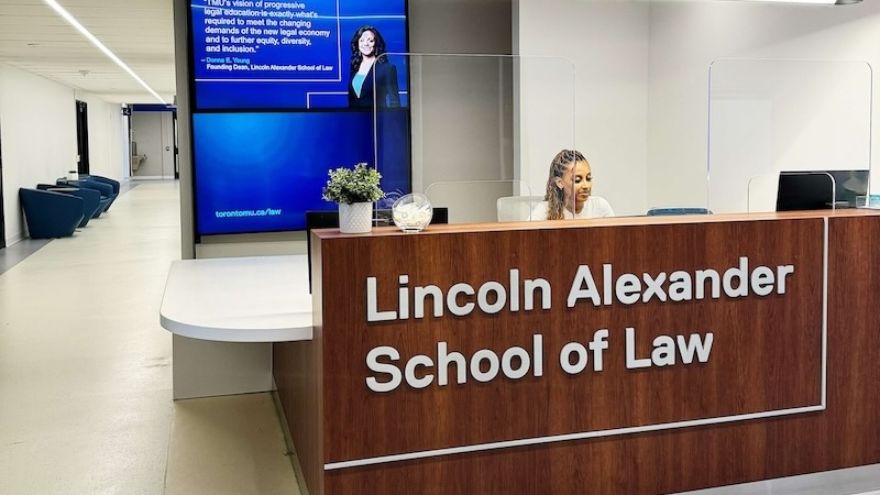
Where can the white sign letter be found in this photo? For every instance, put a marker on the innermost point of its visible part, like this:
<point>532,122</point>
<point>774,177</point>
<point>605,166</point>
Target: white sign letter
<point>374,365</point>
<point>583,276</point>
<point>372,313</point>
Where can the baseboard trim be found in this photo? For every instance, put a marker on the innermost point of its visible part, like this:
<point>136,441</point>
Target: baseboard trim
<point>288,439</point>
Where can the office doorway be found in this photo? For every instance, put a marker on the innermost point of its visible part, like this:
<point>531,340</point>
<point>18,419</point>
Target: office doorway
<point>2,220</point>
<point>82,137</point>
<point>153,144</point>
<point>176,150</point>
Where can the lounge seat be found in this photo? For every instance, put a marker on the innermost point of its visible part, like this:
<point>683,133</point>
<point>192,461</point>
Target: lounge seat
<point>49,214</point>
<point>106,191</point>
<point>91,199</point>
<point>105,180</point>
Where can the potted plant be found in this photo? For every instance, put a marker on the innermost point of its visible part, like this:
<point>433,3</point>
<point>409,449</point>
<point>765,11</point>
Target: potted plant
<point>354,190</point>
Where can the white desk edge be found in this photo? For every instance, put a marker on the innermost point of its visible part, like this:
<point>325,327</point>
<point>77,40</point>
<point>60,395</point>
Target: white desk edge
<point>246,299</point>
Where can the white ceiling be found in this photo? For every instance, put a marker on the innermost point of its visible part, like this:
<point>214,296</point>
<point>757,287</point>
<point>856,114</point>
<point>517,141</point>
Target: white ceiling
<point>140,32</point>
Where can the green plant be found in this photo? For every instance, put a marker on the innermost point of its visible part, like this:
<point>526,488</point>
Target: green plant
<point>358,185</point>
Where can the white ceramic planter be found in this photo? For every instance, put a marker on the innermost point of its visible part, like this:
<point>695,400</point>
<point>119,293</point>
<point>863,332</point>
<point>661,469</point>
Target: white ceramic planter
<point>355,218</point>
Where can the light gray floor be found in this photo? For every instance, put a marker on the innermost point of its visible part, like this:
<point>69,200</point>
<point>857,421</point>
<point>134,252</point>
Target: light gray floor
<point>14,254</point>
<point>863,480</point>
<point>127,185</point>
<point>85,373</point>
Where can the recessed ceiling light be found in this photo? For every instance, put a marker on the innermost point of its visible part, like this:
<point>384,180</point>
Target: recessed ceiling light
<point>95,41</point>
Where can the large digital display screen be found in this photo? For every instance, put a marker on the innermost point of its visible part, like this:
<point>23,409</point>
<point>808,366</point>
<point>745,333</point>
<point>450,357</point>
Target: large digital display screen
<point>295,54</point>
<point>259,172</point>
<point>283,92</point>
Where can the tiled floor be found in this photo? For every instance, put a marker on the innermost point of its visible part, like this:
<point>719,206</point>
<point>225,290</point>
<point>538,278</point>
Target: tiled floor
<point>85,378</point>
<point>85,373</point>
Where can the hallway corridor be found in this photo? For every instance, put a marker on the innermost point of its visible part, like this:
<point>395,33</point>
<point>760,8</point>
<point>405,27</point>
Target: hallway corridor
<point>85,373</point>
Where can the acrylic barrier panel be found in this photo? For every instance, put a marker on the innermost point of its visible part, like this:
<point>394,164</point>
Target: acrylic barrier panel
<point>483,201</point>
<point>483,129</point>
<point>772,118</point>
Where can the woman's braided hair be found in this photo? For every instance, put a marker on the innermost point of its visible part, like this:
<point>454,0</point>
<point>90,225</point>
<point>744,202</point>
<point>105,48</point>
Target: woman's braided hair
<point>555,196</point>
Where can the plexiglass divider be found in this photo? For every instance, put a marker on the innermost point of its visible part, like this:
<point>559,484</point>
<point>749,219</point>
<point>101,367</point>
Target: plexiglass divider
<point>762,192</point>
<point>788,134</point>
<point>486,200</point>
<point>478,131</point>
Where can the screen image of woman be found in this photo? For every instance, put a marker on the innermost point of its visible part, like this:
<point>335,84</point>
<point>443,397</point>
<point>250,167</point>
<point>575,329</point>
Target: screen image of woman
<point>569,191</point>
<point>372,76</point>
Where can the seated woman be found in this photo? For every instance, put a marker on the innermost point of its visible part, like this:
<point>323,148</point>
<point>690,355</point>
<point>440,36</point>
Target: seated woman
<point>568,191</point>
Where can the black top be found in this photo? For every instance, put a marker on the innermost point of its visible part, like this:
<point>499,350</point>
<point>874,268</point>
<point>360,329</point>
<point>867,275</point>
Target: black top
<point>387,94</point>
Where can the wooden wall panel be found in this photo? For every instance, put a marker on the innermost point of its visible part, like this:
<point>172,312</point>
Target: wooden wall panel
<point>742,376</point>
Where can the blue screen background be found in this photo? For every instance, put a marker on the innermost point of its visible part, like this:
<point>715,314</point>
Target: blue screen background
<point>247,164</point>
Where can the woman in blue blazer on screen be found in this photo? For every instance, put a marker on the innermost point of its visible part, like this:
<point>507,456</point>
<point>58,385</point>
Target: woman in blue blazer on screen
<point>372,76</point>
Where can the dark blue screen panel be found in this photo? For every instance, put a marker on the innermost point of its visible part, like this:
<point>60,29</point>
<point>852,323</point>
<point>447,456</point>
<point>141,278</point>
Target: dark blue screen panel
<point>259,172</point>
<point>257,169</point>
<point>262,54</point>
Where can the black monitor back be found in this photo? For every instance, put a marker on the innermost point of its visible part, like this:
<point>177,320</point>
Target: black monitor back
<point>330,220</point>
<point>813,190</point>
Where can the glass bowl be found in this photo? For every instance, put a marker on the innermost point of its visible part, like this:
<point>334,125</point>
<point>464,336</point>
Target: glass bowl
<point>412,212</point>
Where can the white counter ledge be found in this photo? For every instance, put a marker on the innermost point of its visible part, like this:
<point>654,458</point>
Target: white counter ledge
<point>247,299</point>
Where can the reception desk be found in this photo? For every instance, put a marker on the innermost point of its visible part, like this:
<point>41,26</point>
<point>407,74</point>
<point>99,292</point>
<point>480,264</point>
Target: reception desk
<point>615,356</point>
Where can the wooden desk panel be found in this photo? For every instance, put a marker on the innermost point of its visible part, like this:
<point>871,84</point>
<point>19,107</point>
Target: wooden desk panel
<point>743,376</point>
<point>782,369</point>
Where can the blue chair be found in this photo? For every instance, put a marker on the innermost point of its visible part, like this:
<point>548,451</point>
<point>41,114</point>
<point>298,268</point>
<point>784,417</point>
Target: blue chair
<point>654,212</point>
<point>49,214</point>
<point>105,180</point>
<point>91,199</point>
<point>105,189</point>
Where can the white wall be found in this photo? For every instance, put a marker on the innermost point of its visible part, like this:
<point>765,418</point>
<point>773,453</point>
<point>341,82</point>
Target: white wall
<point>607,41</point>
<point>460,26</point>
<point>685,39</point>
<point>643,82</point>
<point>462,115</point>
<point>38,122</point>
<point>767,116</point>
<point>106,156</point>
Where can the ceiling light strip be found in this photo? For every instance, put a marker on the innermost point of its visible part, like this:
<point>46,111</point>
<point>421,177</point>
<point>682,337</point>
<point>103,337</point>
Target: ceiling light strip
<point>95,41</point>
<point>822,2</point>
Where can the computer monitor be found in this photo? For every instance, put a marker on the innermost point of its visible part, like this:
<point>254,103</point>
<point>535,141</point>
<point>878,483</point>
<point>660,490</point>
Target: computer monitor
<point>820,190</point>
